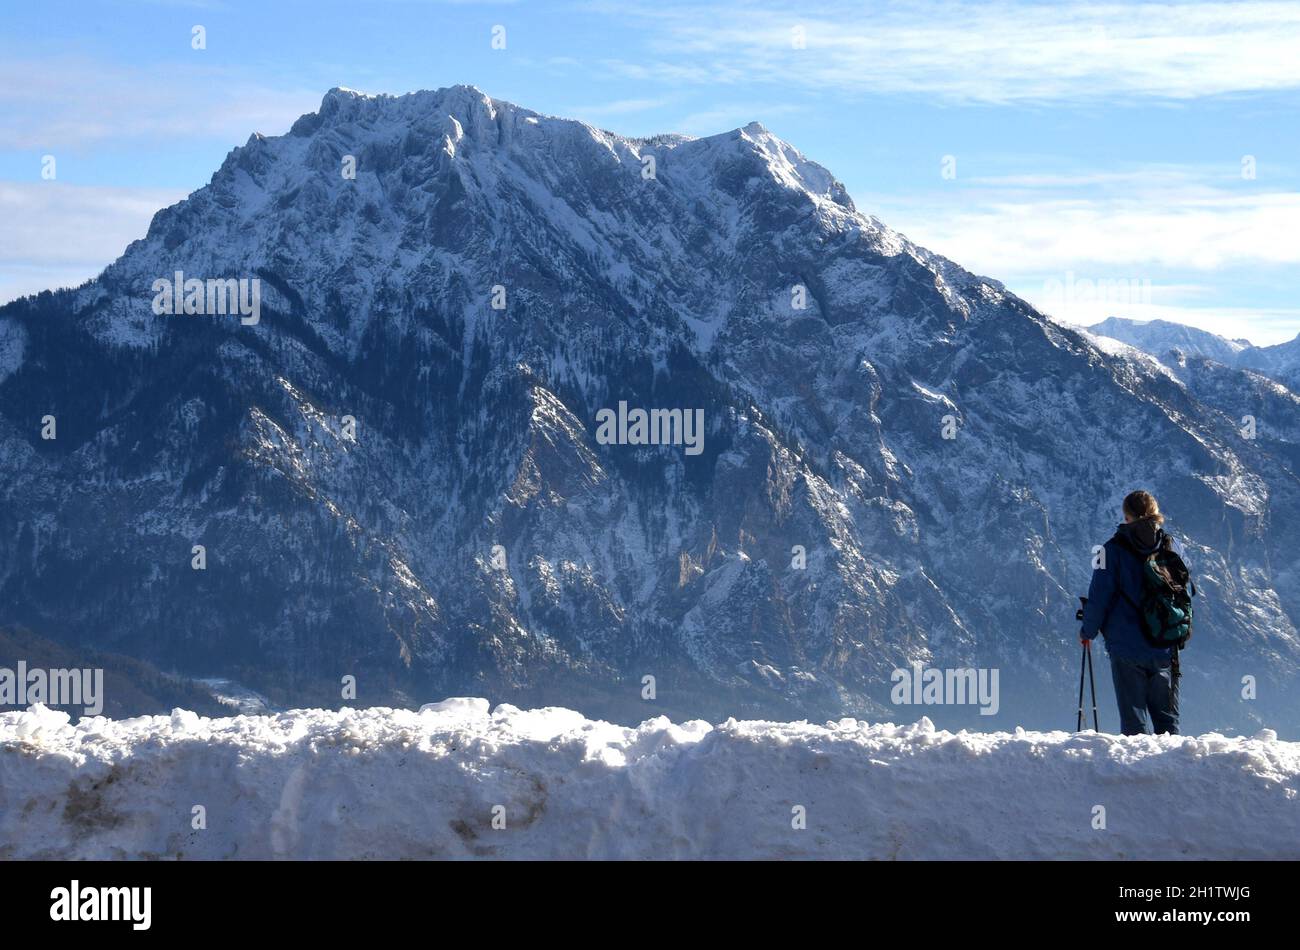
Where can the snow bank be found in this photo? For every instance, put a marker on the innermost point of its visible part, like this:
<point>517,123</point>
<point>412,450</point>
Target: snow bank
<point>386,783</point>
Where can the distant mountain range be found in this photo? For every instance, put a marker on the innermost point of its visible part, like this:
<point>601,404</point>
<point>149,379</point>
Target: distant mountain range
<point>388,465</point>
<point>1161,338</point>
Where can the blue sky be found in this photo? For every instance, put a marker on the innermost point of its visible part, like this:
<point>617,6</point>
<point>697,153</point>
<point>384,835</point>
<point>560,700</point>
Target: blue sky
<point>1135,159</point>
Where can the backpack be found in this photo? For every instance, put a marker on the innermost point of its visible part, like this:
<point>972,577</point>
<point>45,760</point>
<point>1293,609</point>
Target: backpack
<point>1165,611</point>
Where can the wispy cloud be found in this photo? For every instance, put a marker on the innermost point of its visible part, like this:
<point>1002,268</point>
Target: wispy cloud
<point>58,235</point>
<point>1199,232</point>
<point>74,101</point>
<point>1129,242</point>
<point>995,52</point>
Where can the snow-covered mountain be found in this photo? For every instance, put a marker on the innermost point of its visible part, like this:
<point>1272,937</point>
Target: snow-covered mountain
<point>394,481</point>
<point>1159,337</point>
<point>1164,338</point>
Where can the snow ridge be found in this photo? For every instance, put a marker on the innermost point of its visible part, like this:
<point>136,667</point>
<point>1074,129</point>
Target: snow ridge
<point>386,783</point>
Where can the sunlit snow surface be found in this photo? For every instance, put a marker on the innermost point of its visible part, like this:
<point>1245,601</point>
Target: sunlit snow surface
<point>391,783</point>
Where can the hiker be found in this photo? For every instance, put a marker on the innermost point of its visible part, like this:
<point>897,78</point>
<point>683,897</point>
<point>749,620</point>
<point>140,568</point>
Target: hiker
<point>1144,625</point>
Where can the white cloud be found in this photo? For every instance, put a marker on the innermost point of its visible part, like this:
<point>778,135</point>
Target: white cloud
<point>1156,243</point>
<point>1115,237</point>
<point>995,52</point>
<point>59,235</point>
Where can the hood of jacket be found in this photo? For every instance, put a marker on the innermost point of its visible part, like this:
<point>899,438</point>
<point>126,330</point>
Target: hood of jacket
<point>1144,536</point>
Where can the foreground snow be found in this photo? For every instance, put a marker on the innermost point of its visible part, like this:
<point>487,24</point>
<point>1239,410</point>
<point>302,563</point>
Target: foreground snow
<point>385,783</point>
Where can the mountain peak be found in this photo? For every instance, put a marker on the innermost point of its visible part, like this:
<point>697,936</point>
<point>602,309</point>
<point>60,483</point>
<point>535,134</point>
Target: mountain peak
<point>346,91</point>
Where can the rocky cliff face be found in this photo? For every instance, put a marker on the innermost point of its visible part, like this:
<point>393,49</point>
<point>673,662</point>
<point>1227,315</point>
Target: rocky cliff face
<point>395,472</point>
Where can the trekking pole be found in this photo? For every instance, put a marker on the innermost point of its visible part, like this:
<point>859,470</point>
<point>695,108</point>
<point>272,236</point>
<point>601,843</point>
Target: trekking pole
<point>1083,660</point>
<point>1092,684</point>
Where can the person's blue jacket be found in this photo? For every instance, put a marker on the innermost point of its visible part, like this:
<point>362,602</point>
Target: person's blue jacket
<point>1116,590</point>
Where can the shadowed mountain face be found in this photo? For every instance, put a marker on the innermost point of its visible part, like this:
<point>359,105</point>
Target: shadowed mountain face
<point>395,480</point>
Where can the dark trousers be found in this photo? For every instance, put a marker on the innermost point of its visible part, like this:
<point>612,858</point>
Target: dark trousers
<point>1143,686</point>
